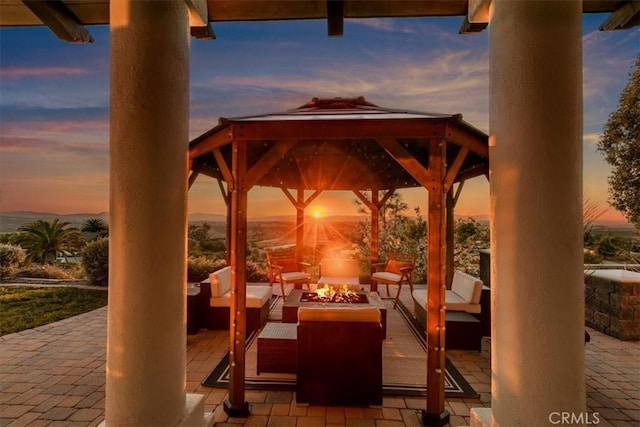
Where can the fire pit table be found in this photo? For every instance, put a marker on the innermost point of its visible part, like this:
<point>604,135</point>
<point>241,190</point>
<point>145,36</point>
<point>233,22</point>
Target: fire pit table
<point>300,297</point>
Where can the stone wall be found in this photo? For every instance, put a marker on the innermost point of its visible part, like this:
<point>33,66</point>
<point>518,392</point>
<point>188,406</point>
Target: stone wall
<point>612,303</point>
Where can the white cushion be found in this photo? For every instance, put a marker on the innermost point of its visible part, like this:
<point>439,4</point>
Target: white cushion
<point>453,301</point>
<point>295,275</point>
<point>220,281</point>
<point>257,297</point>
<point>386,276</point>
<point>338,281</point>
<point>468,288</point>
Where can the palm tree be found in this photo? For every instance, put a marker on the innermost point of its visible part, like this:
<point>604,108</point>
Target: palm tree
<point>95,225</point>
<point>44,239</point>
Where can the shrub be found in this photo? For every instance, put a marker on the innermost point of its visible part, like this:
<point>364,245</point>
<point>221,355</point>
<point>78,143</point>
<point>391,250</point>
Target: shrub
<point>95,261</point>
<point>46,271</point>
<point>199,268</point>
<point>11,255</point>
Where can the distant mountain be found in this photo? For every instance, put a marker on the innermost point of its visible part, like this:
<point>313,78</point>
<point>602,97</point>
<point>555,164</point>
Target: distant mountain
<point>11,221</point>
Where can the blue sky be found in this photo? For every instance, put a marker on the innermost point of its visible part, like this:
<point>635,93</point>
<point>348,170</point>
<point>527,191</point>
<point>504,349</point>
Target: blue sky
<point>54,99</point>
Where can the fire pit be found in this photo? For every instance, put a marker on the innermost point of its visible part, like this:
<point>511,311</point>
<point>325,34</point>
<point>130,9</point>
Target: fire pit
<point>337,295</point>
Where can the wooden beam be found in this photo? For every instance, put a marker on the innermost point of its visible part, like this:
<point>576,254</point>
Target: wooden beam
<point>627,16</point>
<point>312,197</point>
<point>406,160</point>
<point>452,173</point>
<point>224,168</point>
<point>300,206</point>
<point>336,129</point>
<point>192,178</point>
<point>363,199</point>
<point>60,20</point>
<point>375,226</point>
<point>471,27</point>
<point>458,191</point>
<point>236,405</point>
<point>203,33</point>
<point>224,192</point>
<point>335,18</point>
<point>465,138</point>
<point>209,142</point>
<point>435,413</point>
<point>292,199</point>
<point>198,13</point>
<point>386,196</point>
<point>268,160</point>
<point>473,171</point>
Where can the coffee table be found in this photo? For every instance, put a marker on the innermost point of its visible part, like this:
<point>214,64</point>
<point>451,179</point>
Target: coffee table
<point>292,303</point>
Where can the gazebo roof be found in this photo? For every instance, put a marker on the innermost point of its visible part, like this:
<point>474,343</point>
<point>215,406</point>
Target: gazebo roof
<point>341,144</point>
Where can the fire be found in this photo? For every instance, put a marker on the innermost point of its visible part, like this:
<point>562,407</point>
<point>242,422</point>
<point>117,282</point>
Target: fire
<point>342,294</point>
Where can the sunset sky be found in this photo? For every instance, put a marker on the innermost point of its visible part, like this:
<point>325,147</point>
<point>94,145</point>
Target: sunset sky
<point>54,100</point>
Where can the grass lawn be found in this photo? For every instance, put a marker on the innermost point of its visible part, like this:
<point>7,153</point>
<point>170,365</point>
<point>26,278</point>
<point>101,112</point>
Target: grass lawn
<point>25,307</point>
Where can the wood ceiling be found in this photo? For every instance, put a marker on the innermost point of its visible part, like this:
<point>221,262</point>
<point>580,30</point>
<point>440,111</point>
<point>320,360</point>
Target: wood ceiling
<point>67,18</point>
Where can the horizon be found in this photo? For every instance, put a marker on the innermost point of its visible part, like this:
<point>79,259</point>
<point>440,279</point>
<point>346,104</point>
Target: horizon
<point>283,217</point>
<point>55,101</point>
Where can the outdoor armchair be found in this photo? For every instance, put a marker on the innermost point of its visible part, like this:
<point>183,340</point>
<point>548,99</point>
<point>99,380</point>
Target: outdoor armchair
<point>282,267</point>
<point>397,270</point>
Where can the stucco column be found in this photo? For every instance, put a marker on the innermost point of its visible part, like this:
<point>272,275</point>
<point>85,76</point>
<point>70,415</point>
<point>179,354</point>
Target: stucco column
<point>537,288</point>
<point>146,345</point>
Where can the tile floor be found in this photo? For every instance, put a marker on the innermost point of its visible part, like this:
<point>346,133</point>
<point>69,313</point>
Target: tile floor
<point>54,376</point>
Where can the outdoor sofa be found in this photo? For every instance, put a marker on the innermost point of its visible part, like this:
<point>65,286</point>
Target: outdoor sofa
<point>216,302</point>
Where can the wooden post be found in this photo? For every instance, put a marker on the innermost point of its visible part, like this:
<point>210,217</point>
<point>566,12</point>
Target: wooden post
<point>300,206</point>
<point>450,237</point>
<point>236,406</point>
<point>375,225</point>
<point>435,414</point>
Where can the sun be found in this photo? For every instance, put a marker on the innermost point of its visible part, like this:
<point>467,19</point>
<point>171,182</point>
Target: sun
<point>317,211</point>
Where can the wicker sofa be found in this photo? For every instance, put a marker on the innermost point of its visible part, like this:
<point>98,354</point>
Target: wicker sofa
<point>216,302</point>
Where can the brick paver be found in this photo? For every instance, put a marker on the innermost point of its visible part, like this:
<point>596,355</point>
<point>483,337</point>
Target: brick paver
<point>55,375</point>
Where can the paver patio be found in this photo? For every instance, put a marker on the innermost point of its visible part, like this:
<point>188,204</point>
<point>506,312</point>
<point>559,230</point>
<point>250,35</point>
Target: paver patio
<point>54,375</point>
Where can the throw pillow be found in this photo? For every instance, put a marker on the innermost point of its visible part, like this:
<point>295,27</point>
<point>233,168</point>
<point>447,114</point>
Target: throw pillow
<point>394,266</point>
<point>288,265</point>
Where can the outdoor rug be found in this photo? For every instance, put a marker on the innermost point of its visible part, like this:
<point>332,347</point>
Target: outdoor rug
<point>403,360</point>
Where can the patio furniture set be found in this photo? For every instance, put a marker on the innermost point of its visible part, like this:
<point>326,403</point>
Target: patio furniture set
<point>319,333</point>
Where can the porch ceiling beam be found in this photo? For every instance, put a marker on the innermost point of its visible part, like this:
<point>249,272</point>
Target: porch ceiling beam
<point>627,16</point>
<point>209,143</point>
<point>339,129</point>
<point>477,18</point>
<point>335,18</point>
<point>199,19</point>
<point>407,161</point>
<point>268,160</point>
<point>60,20</point>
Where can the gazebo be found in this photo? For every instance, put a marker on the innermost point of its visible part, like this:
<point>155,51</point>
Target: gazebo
<point>536,136</point>
<point>342,144</point>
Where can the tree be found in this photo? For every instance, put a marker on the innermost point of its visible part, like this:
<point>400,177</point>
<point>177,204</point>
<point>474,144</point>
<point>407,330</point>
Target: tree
<point>620,144</point>
<point>44,239</point>
<point>95,225</point>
